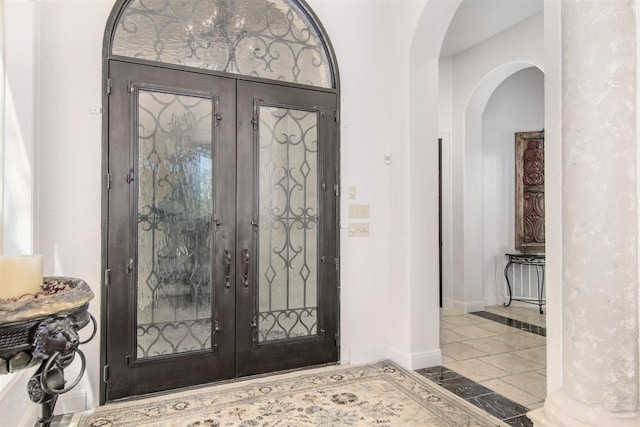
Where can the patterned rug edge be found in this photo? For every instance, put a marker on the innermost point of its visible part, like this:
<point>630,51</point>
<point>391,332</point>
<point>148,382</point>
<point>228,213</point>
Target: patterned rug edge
<point>423,391</point>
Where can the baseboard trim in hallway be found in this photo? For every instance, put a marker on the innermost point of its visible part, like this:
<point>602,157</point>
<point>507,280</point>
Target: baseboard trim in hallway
<point>518,324</point>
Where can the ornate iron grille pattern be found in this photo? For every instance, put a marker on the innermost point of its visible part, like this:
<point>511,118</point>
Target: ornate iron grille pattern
<point>269,39</point>
<point>174,214</point>
<point>155,339</point>
<point>288,208</point>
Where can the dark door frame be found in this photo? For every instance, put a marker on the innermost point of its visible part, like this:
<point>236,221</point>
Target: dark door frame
<point>124,369</point>
<point>320,350</point>
<point>117,9</point>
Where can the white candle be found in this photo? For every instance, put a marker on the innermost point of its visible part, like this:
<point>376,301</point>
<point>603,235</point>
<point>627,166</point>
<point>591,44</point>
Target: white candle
<point>20,275</point>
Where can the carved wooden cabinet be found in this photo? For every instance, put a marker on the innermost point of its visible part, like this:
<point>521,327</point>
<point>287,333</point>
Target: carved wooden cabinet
<point>529,196</point>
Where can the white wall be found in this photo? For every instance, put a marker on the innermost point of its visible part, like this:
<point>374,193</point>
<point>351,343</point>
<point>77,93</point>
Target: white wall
<point>70,138</point>
<point>445,94</point>
<point>379,301</point>
<point>389,294</point>
<point>18,171</point>
<point>517,105</point>
<point>373,124</point>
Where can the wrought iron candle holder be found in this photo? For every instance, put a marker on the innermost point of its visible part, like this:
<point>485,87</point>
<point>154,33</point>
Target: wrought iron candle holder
<point>44,331</point>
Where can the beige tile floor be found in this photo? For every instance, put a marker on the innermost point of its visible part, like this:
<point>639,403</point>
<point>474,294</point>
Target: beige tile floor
<point>501,358</point>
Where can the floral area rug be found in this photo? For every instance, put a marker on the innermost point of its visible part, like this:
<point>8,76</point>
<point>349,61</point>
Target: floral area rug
<point>379,394</point>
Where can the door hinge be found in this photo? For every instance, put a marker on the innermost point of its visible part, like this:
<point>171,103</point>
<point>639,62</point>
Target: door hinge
<point>253,323</point>
<point>130,265</point>
<point>127,358</point>
<point>130,176</point>
<point>216,105</point>
<point>336,116</point>
<point>108,181</point>
<point>336,189</point>
<point>130,87</point>
<point>336,337</point>
<point>337,263</point>
<point>107,277</point>
<point>105,373</point>
<point>255,120</point>
<point>108,87</point>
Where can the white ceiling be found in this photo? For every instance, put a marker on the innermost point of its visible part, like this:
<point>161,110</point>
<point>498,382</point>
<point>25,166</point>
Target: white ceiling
<point>478,20</point>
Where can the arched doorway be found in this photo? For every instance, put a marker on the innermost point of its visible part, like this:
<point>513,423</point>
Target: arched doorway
<point>220,214</point>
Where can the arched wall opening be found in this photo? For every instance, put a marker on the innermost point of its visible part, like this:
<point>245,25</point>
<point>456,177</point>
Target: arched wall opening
<point>422,194</point>
<point>475,294</point>
<point>473,75</point>
<point>516,105</point>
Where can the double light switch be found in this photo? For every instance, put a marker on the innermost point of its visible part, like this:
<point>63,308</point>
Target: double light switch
<point>358,229</point>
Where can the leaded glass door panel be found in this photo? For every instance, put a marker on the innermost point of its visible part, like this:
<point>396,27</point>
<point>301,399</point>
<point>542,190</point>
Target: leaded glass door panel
<point>286,228</point>
<point>171,211</point>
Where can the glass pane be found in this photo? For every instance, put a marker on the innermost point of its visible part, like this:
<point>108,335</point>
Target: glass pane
<point>270,39</point>
<point>174,222</point>
<point>288,237</point>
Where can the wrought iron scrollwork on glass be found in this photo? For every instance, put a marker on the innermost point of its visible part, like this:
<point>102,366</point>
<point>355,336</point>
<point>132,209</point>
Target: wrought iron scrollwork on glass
<point>288,223</point>
<point>174,222</point>
<point>272,39</point>
<point>281,324</point>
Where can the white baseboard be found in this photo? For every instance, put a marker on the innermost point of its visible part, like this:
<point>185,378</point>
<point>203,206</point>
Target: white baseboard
<point>410,361</point>
<point>469,307</point>
<point>426,359</point>
<point>415,361</point>
<point>367,354</point>
<point>491,300</point>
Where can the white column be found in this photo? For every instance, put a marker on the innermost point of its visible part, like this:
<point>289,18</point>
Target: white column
<point>600,269</point>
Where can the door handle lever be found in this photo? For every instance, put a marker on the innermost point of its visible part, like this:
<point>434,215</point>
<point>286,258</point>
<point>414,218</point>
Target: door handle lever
<point>226,261</point>
<point>245,267</point>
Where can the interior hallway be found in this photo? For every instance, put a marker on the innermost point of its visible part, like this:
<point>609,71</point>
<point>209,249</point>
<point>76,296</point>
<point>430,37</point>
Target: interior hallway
<point>494,359</point>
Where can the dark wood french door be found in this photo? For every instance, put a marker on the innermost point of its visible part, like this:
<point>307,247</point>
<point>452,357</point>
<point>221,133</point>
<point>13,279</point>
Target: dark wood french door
<point>221,243</point>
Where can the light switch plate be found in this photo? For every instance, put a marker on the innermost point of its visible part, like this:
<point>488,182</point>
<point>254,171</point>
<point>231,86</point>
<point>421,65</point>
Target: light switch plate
<point>359,229</point>
<point>358,211</point>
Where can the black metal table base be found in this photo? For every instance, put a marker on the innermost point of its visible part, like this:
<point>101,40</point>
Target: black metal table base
<point>532,260</point>
<point>54,342</point>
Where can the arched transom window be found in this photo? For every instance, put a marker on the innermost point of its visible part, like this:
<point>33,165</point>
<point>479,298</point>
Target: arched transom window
<point>272,39</point>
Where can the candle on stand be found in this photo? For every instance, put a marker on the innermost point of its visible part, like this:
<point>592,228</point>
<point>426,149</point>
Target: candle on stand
<point>20,275</point>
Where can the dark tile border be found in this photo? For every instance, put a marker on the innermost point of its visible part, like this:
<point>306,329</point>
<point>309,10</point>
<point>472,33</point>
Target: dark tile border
<point>519,421</point>
<point>523,326</point>
<point>478,395</point>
